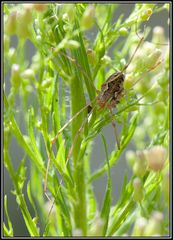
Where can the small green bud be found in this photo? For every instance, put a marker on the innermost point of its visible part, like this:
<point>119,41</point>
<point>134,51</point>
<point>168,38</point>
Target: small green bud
<point>15,76</point>
<point>72,44</point>
<point>146,14</point>
<point>28,74</point>
<point>138,193</point>
<point>88,17</point>
<point>10,25</point>
<point>92,58</point>
<point>105,60</point>
<point>154,57</point>
<point>27,14</point>
<point>47,83</point>
<point>129,81</point>
<point>140,166</point>
<point>97,228</point>
<point>24,20</point>
<point>130,157</point>
<point>123,31</point>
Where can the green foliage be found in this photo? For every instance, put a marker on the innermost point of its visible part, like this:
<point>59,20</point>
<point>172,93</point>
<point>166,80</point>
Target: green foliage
<point>68,57</point>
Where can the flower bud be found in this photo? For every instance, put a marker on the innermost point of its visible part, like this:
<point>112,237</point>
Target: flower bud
<point>138,190</point>
<point>24,20</point>
<point>97,229</point>
<point>10,25</point>
<point>123,31</point>
<point>15,76</point>
<point>47,83</point>
<point>130,157</point>
<point>140,166</point>
<point>154,57</point>
<point>154,226</point>
<point>88,17</point>
<point>146,14</point>
<point>72,44</point>
<point>139,227</point>
<point>158,35</point>
<point>105,60</point>
<point>28,74</point>
<point>156,158</point>
<point>12,55</point>
<point>129,81</point>
<point>91,56</point>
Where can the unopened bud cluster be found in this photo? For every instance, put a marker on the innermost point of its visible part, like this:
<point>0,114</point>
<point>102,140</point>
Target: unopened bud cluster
<point>149,227</point>
<point>152,159</point>
<point>20,22</point>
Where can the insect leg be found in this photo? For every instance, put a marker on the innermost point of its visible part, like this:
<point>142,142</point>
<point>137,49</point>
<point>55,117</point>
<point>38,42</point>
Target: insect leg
<point>62,129</point>
<point>77,135</point>
<point>115,130</point>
